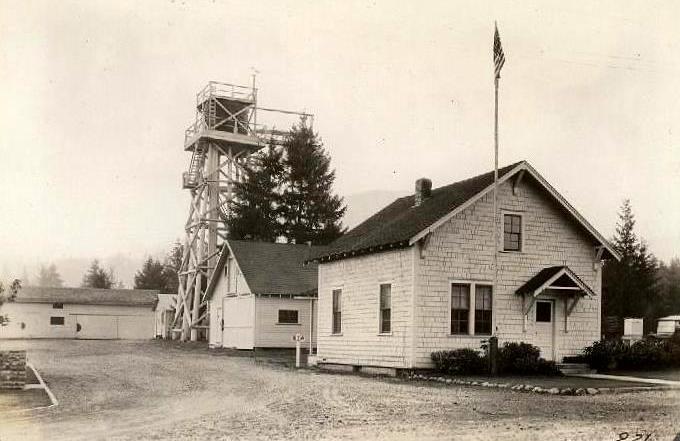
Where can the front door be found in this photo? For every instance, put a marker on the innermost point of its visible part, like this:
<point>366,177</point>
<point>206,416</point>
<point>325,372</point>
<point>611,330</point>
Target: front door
<point>545,328</point>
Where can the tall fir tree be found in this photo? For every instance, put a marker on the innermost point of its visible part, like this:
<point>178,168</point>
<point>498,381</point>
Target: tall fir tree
<point>669,288</point>
<point>171,267</point>
<point>151,276</point>
<point>256,210</point>
<point>311,212</point>
<point>97,277</point>
<point>49,277</point>
<point>630,284</point>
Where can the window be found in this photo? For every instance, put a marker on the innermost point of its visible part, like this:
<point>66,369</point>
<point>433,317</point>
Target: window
<point>288,316</point>
<point>57,321</point>
<point>460,308</point>
<point>483,309</point>
<point>512,232</point>
<point>385,308</point>
<point>544,312</point>
<point>57,306</point>
<point>337,311</point>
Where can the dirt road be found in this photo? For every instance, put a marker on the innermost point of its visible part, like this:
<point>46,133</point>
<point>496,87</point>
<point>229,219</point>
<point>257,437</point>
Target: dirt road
<point>126,390</point>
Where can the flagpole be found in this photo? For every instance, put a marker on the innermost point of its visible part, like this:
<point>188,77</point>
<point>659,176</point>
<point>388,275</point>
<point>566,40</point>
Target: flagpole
<point>496,227</point>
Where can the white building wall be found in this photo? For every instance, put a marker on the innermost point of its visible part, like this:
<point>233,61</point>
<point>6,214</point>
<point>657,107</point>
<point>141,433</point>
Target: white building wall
<point>462,250</point>
<point>271,334</point>
<point>359,278</point>
<point>230,283</point>
<point>32,320</point>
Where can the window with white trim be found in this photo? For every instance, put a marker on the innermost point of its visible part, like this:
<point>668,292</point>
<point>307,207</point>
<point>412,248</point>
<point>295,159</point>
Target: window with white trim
<point>385,308</point>
<point>512,232</point>
<point>471,308</point>
<point>337,311</point>
<point>483,309</point>
<point>288,317</point>
<point>460,308</point>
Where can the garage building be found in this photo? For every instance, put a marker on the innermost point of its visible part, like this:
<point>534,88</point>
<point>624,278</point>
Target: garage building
<point>82,313</point>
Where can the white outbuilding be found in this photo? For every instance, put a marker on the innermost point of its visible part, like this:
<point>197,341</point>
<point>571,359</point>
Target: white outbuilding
<point>81,313</point>
<point>261,295</point>
<point>668,325</point>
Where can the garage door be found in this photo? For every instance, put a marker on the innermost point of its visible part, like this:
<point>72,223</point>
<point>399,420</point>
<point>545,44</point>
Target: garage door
<point>135,327</point>
<point>239,315</point>
<point>108,327</point>
<point>96,326</point>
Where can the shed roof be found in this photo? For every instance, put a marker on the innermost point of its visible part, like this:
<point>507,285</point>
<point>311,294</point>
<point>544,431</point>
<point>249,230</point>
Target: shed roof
<point>402,223</point>
<point>272,268</point>
<point>88,296</point>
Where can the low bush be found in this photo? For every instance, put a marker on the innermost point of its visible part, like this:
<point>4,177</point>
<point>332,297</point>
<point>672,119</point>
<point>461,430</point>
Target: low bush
<point>524,359</point>
<point>459,361</point>
<point>513,359</point>
<point>650,353</point>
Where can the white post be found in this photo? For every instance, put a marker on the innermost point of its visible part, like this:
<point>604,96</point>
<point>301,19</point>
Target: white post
<point>297,353</point>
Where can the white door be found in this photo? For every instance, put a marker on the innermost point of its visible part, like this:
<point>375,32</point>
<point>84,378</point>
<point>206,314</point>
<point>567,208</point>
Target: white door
<point>545,328</point>
<point>101,327</point>
<point>220,326</point>
<point>238,314</point>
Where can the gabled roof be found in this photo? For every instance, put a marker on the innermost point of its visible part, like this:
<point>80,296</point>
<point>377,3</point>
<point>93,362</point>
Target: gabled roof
<point>554,277</point>
<point>88,296</point>
<point>271,268</point>
<point>401,223</point>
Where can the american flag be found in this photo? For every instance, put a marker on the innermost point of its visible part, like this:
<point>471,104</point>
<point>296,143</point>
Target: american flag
<point>498,55</point>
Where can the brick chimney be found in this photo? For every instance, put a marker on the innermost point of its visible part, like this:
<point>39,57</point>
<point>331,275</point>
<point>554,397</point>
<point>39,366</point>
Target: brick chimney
<point>423,190</point>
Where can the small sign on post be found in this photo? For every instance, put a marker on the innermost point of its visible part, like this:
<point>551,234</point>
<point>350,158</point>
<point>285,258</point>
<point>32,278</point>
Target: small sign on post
<point>298,339</point>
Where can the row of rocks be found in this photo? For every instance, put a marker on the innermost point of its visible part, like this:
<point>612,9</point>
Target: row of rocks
<point>12,369</point>
<point>515,387</point>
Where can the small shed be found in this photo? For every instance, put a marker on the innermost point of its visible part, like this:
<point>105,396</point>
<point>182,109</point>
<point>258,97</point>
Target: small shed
<point>262,294</point>
<point>668,325</point>
<point>165,314</point>
<point>81,313</point>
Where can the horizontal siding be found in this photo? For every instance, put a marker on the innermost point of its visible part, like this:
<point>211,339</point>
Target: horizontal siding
<point>270,334</point>
<point>360,279</point>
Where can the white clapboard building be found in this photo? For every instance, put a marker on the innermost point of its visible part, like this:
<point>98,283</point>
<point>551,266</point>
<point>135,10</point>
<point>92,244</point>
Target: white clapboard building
<point>82,313</point>
<point>261,295</point>
<point>418,276</point>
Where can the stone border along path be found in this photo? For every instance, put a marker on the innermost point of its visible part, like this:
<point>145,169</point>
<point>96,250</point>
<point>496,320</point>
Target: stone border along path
<point>537,389</point>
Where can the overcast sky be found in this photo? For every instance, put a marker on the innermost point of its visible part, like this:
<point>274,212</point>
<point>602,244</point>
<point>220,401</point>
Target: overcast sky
<point>95,97</point>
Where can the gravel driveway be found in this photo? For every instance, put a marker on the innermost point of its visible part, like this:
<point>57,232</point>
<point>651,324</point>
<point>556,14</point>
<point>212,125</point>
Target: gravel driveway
<point>125,390</point>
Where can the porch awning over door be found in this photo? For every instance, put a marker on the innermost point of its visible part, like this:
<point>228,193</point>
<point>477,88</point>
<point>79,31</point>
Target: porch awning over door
<point>557,279</point>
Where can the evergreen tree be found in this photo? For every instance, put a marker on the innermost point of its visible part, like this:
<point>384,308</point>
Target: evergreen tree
<point>97,277</point>
<point>311,212</point>
<point>151,276</point>
<point>669,288</point>
<point>49,277</point>
<point>256,209</point>
<point>630,284</point>
<point>173,263</point>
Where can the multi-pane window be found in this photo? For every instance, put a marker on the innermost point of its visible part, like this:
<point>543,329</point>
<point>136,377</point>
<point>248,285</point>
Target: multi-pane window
<point>483,309</point>
<point>385,308</point>
<point>288,316</point>
<point>59,321</point>
<point>57,306</point>
<point>460,308</point>
<point>512,232</point>
<point>337,311</point>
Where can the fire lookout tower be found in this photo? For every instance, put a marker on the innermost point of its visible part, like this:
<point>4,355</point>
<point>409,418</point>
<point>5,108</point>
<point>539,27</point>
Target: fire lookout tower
<point>222,140</point>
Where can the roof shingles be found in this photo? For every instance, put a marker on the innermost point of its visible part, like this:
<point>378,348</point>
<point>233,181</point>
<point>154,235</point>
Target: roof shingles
<point>401,220</point>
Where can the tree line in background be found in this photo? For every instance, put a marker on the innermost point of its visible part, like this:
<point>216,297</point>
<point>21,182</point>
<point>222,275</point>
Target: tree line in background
<point>638,285</point>
<point>287,194</point>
